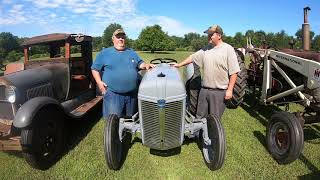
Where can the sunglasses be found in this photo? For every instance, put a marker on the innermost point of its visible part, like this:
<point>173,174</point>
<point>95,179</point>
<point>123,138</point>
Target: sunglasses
<point>120,36</point>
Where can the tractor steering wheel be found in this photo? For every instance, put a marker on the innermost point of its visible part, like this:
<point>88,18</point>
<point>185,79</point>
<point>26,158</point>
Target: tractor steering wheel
<point>163,60</point>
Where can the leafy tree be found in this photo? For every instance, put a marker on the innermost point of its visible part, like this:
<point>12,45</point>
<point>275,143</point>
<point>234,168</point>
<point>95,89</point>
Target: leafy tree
<point>198,43</point>
<point>14,56</point>
<point>107,34</point>
<point>239,40</point>
<point>189,37</point>
<point>249,33</point>
<point>130,43</point>
<point>259,38</point>
<point>152,38</point>
<point>178,41</point>
<point>229,40</point>
<point>316,43</point>
<point>97,43</point>
<point>299,34</point>
<point>281,39</point>
<point>8,42</point>
<point>169,43</point>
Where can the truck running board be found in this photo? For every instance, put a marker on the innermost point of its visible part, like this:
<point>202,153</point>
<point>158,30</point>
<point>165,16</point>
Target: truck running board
<point>11,144</point>
<point>83,108</point>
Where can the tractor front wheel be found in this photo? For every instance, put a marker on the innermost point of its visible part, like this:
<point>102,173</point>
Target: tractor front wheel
<point>284,137</point>
<point>214,154</point>
<point>114,149</point>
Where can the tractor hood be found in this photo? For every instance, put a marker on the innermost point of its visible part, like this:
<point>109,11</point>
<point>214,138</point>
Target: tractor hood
<point>162,83</point>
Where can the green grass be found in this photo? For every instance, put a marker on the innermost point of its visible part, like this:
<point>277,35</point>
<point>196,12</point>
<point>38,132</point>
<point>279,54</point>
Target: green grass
<point>246,158</point>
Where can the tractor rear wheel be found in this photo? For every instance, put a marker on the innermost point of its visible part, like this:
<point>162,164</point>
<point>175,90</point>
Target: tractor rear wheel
<point>214,154</point>
<point>284,137</point>
<point>193,87</point>
<point>240,85</point>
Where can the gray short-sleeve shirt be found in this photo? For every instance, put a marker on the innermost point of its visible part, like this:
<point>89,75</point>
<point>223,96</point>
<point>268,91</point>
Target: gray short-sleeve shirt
<point>218,64</point>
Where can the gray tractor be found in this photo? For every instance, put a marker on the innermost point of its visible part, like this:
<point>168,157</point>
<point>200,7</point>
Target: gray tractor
<point>166,115</point>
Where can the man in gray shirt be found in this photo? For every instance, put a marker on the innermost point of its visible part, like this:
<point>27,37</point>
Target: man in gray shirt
<point>220,67</point>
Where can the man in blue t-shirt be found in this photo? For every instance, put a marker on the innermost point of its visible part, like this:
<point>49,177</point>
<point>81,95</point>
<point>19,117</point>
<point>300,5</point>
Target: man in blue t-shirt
<point>119,83</point>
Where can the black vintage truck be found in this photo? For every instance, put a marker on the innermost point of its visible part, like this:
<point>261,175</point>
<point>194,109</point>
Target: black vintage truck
<point>40,94</point>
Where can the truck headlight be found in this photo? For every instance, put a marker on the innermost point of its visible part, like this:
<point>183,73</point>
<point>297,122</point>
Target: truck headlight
<point>10,94</point>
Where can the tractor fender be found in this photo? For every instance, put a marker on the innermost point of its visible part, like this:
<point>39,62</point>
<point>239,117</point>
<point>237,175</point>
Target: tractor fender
<point>28,110</point>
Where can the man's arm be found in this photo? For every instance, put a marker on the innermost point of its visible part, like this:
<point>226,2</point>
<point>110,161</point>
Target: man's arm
<point>146,66</point>
<point>188,60</point>
<point>101,85</point>
<point>232,82</point>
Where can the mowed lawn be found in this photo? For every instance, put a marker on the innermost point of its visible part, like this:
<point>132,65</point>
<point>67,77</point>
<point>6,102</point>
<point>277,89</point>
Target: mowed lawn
<point>246,158</point>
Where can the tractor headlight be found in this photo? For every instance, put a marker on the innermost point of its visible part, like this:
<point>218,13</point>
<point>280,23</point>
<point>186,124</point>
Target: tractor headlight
<point>10,94</point>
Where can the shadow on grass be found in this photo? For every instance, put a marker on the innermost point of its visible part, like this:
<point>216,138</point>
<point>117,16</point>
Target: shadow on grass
<point>260,112</point>
<point>78,129</point>
<point>311,132</point>
<point>166,153</point>
<point>311,176</point>
<point>261,138</point>
<point>310,166</point>
<point>174,151</point>
<point>17,154</point>
<point>315,171</point>
<point>169,152</point>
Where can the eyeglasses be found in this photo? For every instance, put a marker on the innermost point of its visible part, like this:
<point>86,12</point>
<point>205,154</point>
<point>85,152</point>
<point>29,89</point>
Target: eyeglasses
<point>209,35</point>
<point>120,36</point>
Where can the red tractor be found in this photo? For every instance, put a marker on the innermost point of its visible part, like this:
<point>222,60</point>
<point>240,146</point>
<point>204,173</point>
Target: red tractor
<point>287,76</point>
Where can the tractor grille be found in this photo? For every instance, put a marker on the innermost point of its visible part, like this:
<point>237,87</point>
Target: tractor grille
<point>162,127</point>
<point>6,111</point>
<point>43,90</point>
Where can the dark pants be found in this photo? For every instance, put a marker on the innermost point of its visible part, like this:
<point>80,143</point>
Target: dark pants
<point>121,104</point>
<point>211,101</point>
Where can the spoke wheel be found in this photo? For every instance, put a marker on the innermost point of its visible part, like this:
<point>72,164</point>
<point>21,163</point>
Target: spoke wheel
<point>43,142</point>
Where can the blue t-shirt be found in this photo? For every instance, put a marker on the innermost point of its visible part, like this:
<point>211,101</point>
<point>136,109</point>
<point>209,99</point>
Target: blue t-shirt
<point>120,69</point>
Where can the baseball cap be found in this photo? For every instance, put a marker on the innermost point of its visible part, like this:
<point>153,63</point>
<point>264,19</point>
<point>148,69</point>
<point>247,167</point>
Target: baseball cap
<point>118,31</point>
<point>214,28</point>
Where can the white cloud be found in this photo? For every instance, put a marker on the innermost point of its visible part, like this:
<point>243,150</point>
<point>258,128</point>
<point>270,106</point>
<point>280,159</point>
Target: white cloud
<point>53,15</point>
<point>7,1</point>
<point>46,3</point>
<point>15,16</point>
<point>170,25</point>
<point>89,16</point>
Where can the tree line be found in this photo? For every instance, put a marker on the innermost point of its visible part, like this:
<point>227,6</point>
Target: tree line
<point>153,38</point>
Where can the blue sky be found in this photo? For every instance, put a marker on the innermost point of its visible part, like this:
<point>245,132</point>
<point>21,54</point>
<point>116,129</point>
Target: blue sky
<point>26,18</point>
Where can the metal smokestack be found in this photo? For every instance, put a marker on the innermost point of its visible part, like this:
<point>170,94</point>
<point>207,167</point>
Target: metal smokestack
<point>306,30</point>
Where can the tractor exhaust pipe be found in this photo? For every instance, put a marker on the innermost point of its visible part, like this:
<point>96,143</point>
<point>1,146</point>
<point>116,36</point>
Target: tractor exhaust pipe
<point>306,30</point>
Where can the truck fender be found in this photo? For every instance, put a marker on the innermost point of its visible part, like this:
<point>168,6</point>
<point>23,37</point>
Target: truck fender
<point>28,110</point>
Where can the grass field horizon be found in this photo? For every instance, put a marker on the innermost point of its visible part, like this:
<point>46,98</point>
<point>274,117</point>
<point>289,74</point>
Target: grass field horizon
<point>246,157</point>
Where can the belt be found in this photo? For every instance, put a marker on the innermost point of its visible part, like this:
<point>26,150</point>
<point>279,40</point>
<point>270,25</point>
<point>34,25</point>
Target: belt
<point>211,89</point>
